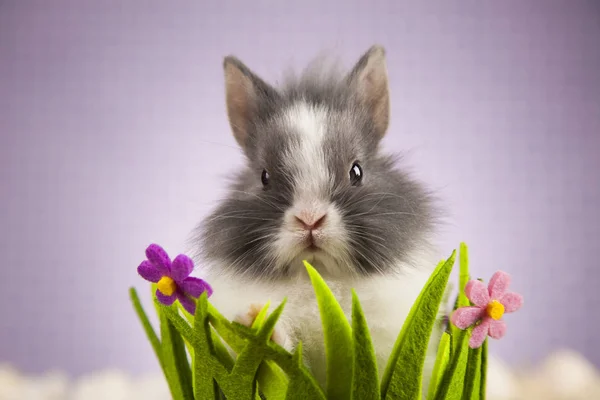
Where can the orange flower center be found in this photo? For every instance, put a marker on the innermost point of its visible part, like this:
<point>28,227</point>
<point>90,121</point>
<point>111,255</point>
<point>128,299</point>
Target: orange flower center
<point>166,286</point>
<point>495,309</point>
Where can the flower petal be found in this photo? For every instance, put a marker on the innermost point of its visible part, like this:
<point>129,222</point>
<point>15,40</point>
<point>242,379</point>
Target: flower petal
<point>477,292</point>
<point>498,284</point>
<point>166,300</point>
<point>195,287</point>
<point>479,333</point>
<point>497,329</point>
<point>186,302</point>
<point>159,257</point>
<point>181,268</point>
<point>464,317</point>
<point>149,272</point>
<point>511,302</point>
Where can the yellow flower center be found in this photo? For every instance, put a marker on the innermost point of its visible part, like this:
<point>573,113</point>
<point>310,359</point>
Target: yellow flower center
<point>166,286</point>
<point>495,309</point>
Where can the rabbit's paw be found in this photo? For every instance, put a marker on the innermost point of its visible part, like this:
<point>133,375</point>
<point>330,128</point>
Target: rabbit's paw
<point>279,335</point>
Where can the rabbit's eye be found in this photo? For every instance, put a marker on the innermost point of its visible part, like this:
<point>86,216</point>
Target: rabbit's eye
<point>356,174</point>
<point>264,177</point>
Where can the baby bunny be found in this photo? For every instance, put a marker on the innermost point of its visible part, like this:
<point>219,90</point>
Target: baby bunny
<point>317,186</point>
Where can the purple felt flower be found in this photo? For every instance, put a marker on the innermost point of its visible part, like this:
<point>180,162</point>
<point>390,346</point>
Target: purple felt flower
<point>172,278</point>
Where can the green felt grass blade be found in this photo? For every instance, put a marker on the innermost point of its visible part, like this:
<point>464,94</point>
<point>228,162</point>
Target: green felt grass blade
<point>338,339</point>
<point>250,358</point>
<point>452,383</point>
<point>235,333</point>
<point>221,351</point>
<point>182,363</point>
<point>204,363</point>
<point>223,327</point>
<point>483,374</point>
<point>260,317</point>
<point>184,329</point>
<point>150,333</point>
<point>403,376</point>
<point>464,276</point>
<point>441,363</point>
<point>190,318</point>
<point>252,347</point>
<point>175,359</point>
<point>461,299</point>
<point>473,375</point>
<point>301,386</point>
<point>169,369</point>
<point>272,381</point>
<point>365,383</point>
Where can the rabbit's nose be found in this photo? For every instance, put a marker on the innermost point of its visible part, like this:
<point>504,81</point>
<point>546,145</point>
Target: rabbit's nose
<point>310,221</point>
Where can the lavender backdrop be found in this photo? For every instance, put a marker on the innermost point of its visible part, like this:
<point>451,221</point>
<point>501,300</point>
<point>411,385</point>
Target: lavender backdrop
<point>113,135</point>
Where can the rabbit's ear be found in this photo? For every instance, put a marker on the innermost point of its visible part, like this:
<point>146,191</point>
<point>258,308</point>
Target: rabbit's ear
<point>370,81</point>
<point>246,96</point>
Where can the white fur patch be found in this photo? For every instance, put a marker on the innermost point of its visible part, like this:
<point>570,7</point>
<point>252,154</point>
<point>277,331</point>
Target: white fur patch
<point>312,180</point>
<point>308,159</point>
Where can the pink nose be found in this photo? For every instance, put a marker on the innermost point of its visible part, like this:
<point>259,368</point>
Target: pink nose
<point>310,221</point>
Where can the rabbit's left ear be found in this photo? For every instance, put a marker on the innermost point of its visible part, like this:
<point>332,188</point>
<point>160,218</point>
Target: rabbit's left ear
<point>370,81</point>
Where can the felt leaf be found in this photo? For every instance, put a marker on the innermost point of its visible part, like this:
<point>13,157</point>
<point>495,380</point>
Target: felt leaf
<point>249,359</point>
<point>143,317</point>
<point>403,376</point>
<point>150,333</point>
<point>338,339</point>
<point>202,351</point>
<point>239,337</point>
<point>483,374</point>
<point>223,327</point>
<point>284,362</point>
<point>175,358</point>
<point>464,277</point>
<point>452,383</point>
<point>166,349</point>
<point>260,317</point>
<point>272,381</point>
<point>301,385</point>
<point>473,375</point>
<point>190,318</point>
<point>180,324</point>
<point>365,383</point>
<point>441,363</point>
<point>221,351</point>
<point>204,385</point>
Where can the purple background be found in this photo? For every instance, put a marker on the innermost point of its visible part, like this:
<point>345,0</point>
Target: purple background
<point>113,135</point>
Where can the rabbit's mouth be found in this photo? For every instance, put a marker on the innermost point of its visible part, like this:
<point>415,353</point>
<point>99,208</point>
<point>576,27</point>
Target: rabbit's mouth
<point>311,243</point>
<point>313,247</point>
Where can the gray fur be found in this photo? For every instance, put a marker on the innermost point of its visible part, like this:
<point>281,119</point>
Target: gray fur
<point>389,212</point>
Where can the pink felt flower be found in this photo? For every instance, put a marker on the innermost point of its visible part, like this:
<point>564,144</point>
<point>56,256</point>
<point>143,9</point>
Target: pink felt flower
<point>490,304</point>
<point>172,278</point>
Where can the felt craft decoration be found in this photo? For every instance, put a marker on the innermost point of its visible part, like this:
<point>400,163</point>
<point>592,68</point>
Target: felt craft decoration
<point>204,356</point>
<point>490,304</point>
<point>172,278</point>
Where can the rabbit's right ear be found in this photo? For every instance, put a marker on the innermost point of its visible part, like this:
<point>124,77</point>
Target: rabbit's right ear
<point>247,97</point>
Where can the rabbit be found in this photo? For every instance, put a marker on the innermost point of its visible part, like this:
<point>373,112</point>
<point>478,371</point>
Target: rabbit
<point>317,186</point>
